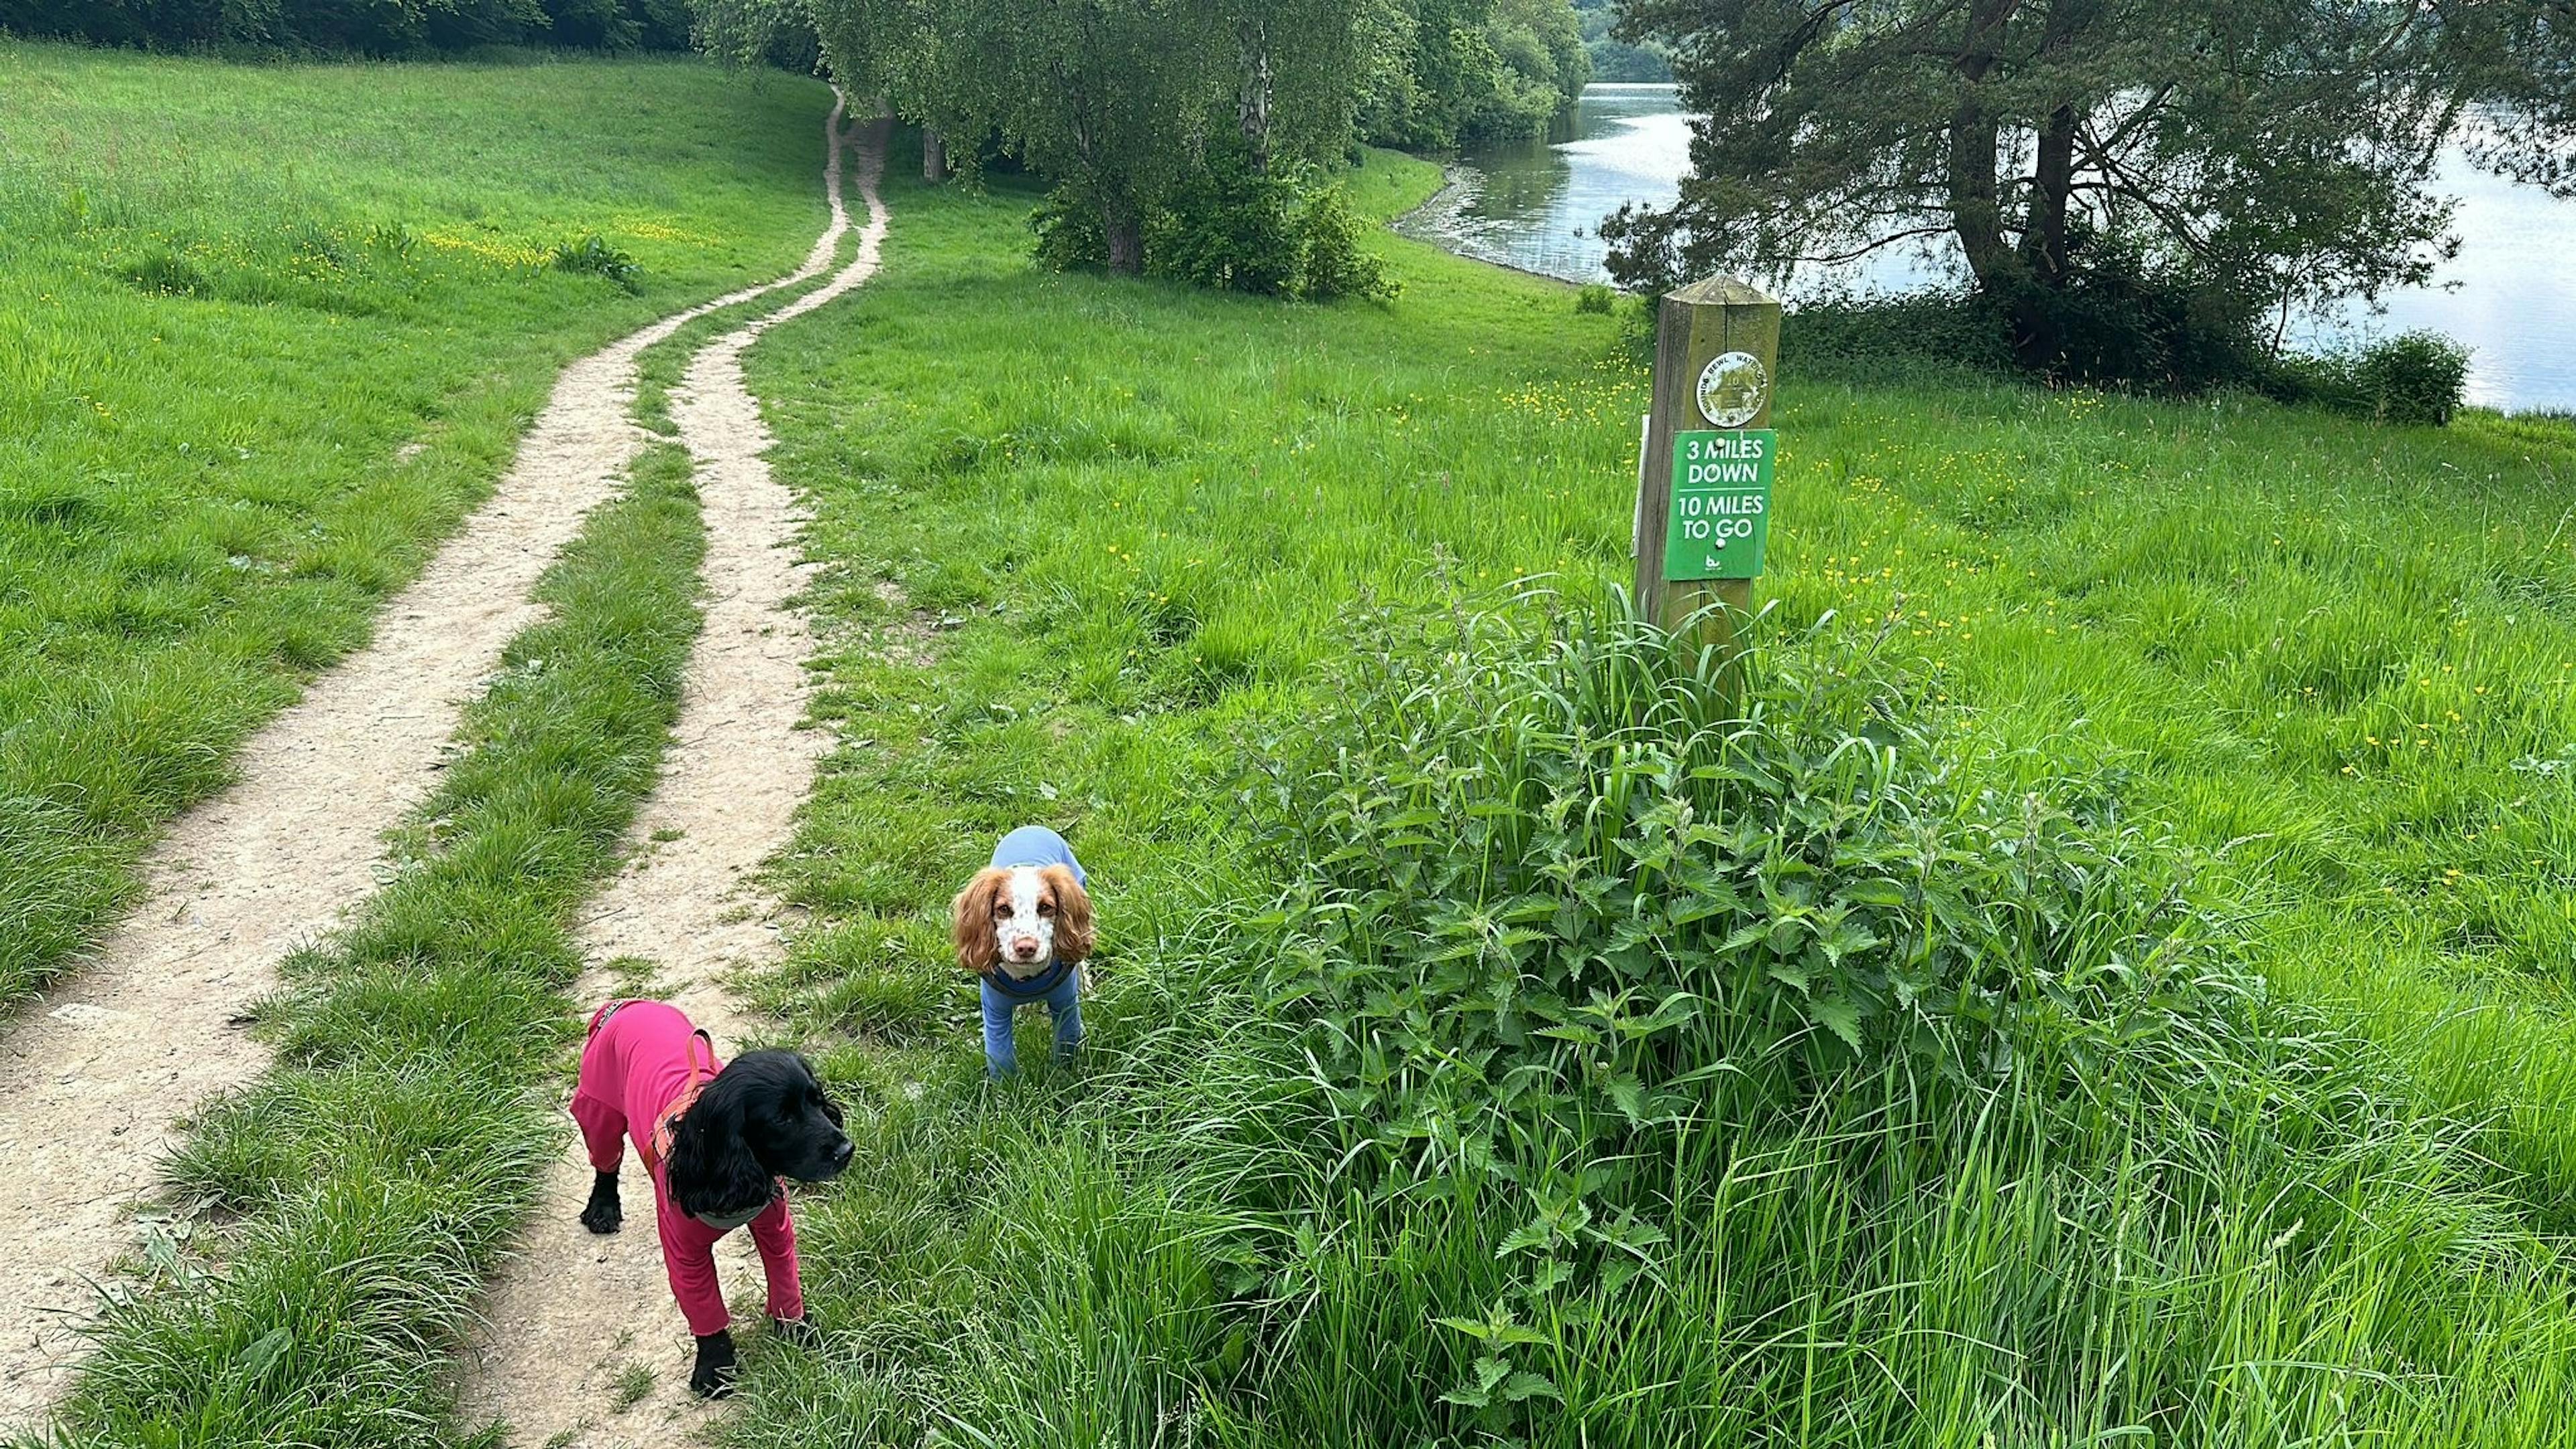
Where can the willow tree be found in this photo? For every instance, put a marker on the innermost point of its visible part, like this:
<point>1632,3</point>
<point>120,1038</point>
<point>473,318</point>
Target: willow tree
<point>1113,99</point>
<point>2262,152</point>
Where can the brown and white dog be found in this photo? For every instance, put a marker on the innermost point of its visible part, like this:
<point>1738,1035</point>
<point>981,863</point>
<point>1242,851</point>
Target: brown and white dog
<point>1023,926</point>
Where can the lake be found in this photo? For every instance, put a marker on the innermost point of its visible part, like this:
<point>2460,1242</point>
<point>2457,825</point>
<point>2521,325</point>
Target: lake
<point>2510,295</point>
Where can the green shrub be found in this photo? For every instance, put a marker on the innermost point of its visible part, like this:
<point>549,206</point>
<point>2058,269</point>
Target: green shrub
<point>1067,224</point>
<point>1935,325</point>
<point>593,254</point>
<point>1334,262</point>
<point>1595,299</point>
<point>1545,892</point>
<point>2414,377</point>
<point>1228,226</point>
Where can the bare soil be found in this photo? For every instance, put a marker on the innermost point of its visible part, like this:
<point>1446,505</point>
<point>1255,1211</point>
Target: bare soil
<point>575,1325</point>
<point>105,1065</point>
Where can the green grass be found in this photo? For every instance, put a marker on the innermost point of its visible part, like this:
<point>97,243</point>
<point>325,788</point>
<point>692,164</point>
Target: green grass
<point>381,1167</point>
<point>266,333</point>
<point>1099,545</point>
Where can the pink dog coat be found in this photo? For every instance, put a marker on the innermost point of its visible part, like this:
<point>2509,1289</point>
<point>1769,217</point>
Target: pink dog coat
<point>644,1063</point>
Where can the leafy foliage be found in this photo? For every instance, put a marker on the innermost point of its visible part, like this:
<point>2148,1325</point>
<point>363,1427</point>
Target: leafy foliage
<point>1228,225</point>
<point>593,254</point>
<point>1559,900</point>
<point>1446,73</point>
<point>1333,263</point>
<point>2414,377</point>
<point>374,29</point>
<point>2087,157</point>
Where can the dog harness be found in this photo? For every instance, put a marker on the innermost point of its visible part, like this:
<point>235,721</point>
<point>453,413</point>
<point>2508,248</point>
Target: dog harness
<point>655,1149</point>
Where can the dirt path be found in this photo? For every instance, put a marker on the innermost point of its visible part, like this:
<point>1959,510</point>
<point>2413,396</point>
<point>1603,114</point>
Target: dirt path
<point>102,1065</point>
<point>583,1348</point>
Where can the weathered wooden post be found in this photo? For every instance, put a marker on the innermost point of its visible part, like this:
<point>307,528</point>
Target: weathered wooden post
<point>1704,480</point>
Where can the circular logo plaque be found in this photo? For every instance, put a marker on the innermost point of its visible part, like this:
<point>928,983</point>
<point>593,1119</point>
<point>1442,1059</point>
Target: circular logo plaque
<point>1732,389</point>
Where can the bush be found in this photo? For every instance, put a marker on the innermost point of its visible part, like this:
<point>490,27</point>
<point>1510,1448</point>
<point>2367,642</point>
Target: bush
<point>1568,899</point>
<point>1229,226</point>
<point>593,254</point>
<point>327,25</point>
<point>1595,300</point>
<point>1935,325</point>
<point>1069,234</point>
<point>2415,377</point>
<point>1334,263</point>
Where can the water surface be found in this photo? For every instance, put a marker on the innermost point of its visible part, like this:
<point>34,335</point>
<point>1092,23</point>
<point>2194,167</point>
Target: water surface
<point>2510,295</point>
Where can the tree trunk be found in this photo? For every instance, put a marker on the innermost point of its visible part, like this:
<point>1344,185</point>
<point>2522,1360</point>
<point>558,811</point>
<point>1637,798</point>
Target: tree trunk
<point>1125,234</point>
<point>1252,103</point>
<point>1976,210</point>
<point>934,156</point>
<point>2039,339</point>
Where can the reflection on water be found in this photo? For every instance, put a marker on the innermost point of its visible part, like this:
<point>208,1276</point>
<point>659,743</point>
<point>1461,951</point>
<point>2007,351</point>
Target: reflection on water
<point>1539,208</point>
<point>2509,295</point>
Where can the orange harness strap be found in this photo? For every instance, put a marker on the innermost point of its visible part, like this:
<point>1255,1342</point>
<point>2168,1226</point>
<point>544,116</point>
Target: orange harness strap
<point>657,1148</point>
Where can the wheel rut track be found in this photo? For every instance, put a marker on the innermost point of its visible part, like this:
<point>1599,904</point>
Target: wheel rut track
<point>108,1061</point>
<point>572,1313</point>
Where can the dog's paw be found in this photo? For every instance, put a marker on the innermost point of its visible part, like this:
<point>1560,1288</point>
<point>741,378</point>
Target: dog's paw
<point>712,1378</point>
<point>603,1213</point>
<point>798,1331</point>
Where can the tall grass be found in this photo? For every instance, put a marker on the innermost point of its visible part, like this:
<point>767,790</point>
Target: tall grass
<point>265,334</point>
<point>385,1160</point>
<point>2275,1159</point>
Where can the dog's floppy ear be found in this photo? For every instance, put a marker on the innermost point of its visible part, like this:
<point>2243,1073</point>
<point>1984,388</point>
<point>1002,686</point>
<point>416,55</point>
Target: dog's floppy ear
<point>979,947</point>
<point>712,1169</point>
<point>1072,915</point>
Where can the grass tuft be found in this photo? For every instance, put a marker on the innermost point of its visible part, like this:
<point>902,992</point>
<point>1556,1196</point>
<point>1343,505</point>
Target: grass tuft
<point>383,1164</point>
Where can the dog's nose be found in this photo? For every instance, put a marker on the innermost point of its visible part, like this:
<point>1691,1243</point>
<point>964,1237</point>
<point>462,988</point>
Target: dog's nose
<point>842,1153</point>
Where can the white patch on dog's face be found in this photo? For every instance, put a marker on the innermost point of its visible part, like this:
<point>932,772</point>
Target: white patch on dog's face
<point>1024,923</point>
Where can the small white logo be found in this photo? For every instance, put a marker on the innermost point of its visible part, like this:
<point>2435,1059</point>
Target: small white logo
<point>1732,389</point>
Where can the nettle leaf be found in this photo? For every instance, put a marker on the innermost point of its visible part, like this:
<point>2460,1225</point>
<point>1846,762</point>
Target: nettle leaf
<point>1527,1385</point>
<point>1883,893</point>
<point>1840,1017</point>
<point>1629,1095</point>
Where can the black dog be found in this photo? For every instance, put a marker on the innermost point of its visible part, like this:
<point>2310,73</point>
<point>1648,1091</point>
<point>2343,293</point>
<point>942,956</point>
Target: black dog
<point>718,1143</point>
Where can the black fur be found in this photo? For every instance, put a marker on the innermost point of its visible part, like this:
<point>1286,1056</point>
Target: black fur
<point>603,1213</point>
<point>712,1376</point>
<point>763,1117</point>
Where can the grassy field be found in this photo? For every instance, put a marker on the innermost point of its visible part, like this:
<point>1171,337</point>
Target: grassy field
<point>2207,762</point>
<point>265,334</point>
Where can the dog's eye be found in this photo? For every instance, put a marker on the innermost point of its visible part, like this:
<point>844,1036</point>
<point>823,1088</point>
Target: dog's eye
<point>1046,908</point>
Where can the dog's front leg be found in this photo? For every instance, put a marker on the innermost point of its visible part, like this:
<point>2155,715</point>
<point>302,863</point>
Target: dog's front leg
<point>713,1376</point>
<point>603,1213</point>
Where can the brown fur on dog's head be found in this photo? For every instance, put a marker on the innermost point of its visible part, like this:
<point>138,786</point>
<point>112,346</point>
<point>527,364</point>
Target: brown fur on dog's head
<point>978,949</point>
<point>1072,914</point>
<point>987,897</point>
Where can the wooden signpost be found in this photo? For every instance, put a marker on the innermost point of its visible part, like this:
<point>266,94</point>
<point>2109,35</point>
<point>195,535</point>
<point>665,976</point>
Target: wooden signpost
<point>1704,480</point>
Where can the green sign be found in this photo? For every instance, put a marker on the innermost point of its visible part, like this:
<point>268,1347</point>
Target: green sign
<point>1721,504</point>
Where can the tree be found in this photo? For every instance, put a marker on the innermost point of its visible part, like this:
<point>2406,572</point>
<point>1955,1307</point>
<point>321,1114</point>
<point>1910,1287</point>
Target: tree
<point>1442,73</point>
<point>2242,154</point>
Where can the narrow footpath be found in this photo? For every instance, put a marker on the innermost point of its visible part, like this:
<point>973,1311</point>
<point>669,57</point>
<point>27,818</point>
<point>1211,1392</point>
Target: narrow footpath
<point>106,1063</point>
<point>582,1347</point>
